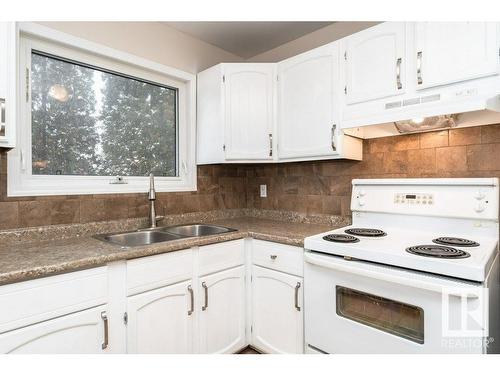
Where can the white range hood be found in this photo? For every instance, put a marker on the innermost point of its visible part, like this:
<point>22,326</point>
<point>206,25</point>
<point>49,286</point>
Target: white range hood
<point>432,116</point>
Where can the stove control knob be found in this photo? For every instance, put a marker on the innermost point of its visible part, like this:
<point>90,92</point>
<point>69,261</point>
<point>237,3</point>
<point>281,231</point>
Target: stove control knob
<point>479,207</point>
<point>362,193</point>
<point>479,195</point>
<point>361,202</point>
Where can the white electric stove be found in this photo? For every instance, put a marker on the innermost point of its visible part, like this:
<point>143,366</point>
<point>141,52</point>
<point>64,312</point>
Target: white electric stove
<point>416,272</point>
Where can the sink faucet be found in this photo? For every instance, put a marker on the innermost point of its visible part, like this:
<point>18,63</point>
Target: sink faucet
<point>152,198</point>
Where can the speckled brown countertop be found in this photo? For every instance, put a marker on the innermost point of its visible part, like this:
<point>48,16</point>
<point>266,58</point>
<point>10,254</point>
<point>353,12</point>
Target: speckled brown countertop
<point>24,260</point>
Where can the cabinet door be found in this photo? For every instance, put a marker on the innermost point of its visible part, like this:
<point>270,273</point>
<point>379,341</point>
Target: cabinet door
<point>222,316</point>
<point>448,52</point>
<point>277,311</point>
<point>249,114</point>
<point>77,333</point>
<point>308,97</point>
<point>160,321</point>
<point>375,63</point>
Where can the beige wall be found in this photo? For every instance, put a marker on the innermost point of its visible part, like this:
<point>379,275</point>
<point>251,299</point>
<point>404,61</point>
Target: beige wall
<point>151,40</point>
<point>312,40</point>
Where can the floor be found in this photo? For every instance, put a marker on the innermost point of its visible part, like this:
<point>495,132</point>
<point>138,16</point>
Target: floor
<point>249,350</point>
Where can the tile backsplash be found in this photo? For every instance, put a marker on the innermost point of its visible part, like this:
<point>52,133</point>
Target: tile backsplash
<point>219,187</point>
<point>307,187</point>
<point>325,187</point>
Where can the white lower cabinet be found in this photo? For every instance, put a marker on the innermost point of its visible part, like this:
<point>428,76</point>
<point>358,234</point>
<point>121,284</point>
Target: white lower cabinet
<point>161,321</point>
<point>222,311</point>
<point>84,332</point>
<point>197,300</point>
<point>277,313</point>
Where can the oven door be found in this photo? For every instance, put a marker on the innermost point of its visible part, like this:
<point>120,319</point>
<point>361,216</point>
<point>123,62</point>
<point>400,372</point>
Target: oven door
<point>361,307</point>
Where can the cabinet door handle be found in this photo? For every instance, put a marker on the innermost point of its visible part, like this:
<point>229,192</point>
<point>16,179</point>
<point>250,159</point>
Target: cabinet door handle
<point>270,144</point>
<point>419,68</point>
<point>205,287</point>
<point>2,116</point>
<point>297,287</point>
<point>398,73</point>
<point>191,296</point>
<point>334,128</point>
<point>104,318</point>
<point>273,257</point>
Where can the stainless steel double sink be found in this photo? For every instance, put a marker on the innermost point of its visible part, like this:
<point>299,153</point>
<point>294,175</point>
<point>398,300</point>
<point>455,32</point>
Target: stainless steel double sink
<point>151,236</point>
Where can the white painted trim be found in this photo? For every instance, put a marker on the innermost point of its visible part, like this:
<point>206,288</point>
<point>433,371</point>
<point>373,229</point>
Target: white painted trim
<point>20,180</point>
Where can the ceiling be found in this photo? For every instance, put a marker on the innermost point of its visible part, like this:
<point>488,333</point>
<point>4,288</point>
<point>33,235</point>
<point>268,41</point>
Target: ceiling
<point>247,39</point>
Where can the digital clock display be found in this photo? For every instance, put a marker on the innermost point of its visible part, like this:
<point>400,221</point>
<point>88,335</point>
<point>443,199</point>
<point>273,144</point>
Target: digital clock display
<point>411,196</point>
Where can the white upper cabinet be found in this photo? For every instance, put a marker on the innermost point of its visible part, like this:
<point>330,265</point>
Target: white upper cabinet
<point>375,62</point>
<point>249,114</point>
<point>308,85</point>
<point>222,311</point>
<point>449,52</point>
<point>7,84</point>
<point>161,321</point>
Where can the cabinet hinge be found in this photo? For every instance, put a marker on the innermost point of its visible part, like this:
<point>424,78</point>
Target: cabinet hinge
<point>27,85</point>
<point>125,318</point>
<point>223,79</point>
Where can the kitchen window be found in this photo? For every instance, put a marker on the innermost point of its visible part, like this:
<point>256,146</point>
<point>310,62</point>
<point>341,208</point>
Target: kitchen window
<point>99,124</point>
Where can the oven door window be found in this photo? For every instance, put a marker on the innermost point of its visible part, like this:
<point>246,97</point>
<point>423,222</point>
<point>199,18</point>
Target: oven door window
<point>390,316</point>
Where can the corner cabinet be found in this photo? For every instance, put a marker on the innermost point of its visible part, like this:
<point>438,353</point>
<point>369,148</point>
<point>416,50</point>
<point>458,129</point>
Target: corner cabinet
<point>239,120</point>
<point>7,84</point>
<point>236,116</point>
<point>309,107</point>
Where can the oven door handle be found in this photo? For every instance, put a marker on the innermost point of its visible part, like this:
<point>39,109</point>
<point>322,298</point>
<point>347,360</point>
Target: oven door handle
<point>405,281</point>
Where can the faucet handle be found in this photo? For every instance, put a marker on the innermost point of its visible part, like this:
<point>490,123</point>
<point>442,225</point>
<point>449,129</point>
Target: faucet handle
<point>152,193</point>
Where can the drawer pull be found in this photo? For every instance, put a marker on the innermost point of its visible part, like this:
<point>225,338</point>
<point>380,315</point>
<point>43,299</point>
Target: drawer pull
<point>273,257</point>
<point>297,287</point>
<point>104,318</point>
<point>190,290</point>
<point>205,287</point>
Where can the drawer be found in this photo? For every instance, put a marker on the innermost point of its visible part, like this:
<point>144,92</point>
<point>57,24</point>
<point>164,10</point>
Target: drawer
<point>284,258</point>
<point>158,270</point>
<point>221,256</point>
<point>37,300</point>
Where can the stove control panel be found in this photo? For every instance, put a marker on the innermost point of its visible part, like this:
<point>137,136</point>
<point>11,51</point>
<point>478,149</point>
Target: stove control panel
<point>410,198</point>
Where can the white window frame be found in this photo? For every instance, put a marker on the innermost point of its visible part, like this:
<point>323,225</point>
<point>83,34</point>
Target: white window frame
<point>21,181</point>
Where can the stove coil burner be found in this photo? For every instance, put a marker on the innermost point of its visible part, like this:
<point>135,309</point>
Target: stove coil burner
<point>436,251</point>
<point>344,238</point>
<point>455,241</point>
<point>366,232</point>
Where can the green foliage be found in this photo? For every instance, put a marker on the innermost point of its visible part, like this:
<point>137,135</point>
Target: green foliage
<point>87,122</point>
